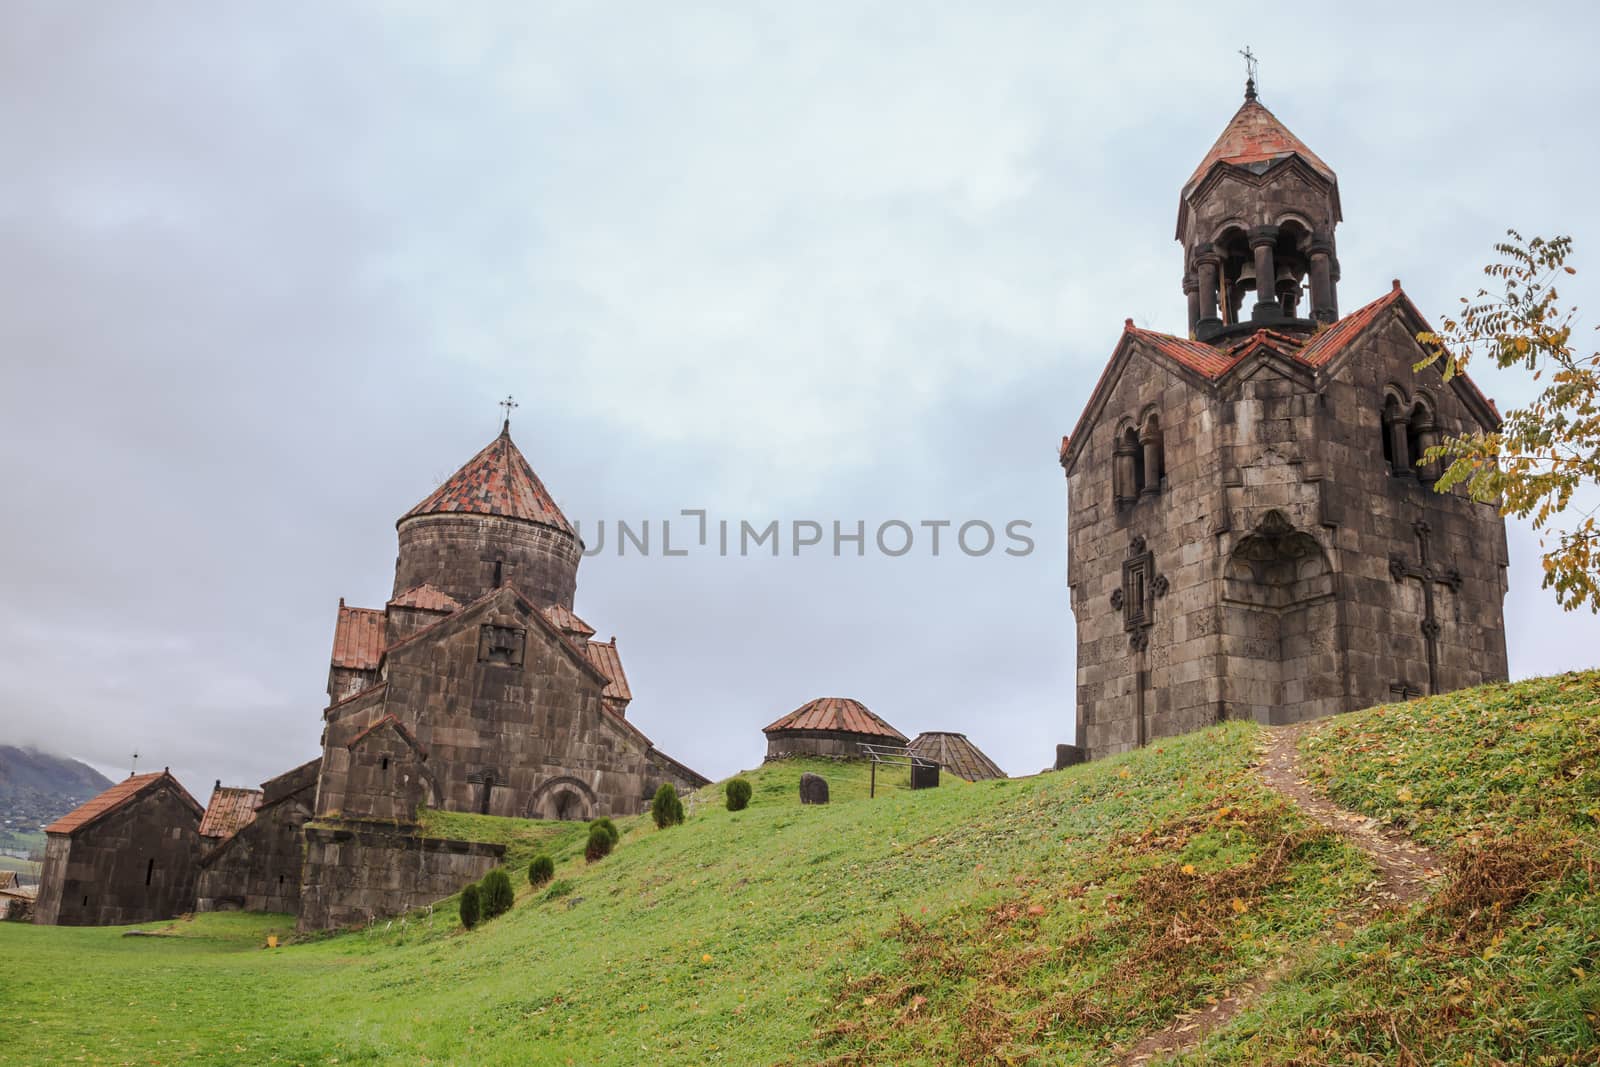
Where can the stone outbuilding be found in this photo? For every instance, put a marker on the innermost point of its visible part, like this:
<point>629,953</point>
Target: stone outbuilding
<point>1252,526</point>
<point>257,867</point>
<point>833,727</point>
<point>956,754</point>
<point>128,855</point>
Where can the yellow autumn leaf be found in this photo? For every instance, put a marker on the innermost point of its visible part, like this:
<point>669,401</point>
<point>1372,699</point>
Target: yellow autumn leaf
<point>705,957</point>
<point>1188,868</point>
<point>1123,773</point>
<point>1405,795</point>
<point>1239,906</point>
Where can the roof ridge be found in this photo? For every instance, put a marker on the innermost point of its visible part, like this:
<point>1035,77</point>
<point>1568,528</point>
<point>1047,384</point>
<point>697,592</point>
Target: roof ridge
<point>497,480</point>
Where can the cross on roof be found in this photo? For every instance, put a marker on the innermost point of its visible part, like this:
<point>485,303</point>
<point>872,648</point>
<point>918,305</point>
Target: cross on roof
<point>1249,72</point>
<point>509,404</point>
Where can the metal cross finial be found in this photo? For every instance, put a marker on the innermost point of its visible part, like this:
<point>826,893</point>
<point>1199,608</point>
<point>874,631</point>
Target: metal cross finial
<point>1249,72</point>
<point>509,404</point>
<point>134,769</point>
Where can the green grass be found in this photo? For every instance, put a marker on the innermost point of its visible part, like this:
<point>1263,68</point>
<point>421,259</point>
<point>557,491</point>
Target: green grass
<point>1503,966</point>
<point>1039,920</point>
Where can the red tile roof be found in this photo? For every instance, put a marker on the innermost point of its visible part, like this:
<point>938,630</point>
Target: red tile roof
<point>358,638</point>
<point>230,811</point>
<point>1330,342</point>
<point>956,754</point>
<point>425,597</point>
<point>836,714</point>
<point>1254,135</point>
<point>124,792</point>
<point>567,622</point>
<point>1196,355</point>
<point>604,655</point>
<point>497,481</point>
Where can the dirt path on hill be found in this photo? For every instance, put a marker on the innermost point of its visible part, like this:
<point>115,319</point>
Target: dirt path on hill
<point>1406,873</point>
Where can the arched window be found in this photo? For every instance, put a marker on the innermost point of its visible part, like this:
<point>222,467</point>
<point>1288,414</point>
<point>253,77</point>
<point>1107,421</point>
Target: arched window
<point>1152,468</point>
<point>1393,429</point>
<point>1421,435</point>
<point>1127,472</point>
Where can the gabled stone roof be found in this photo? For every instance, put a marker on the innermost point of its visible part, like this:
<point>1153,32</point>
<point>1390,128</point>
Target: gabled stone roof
<point>1214,362</point>
<point>425,597</point>
<point>497,481</point>
<point>836,715</point>
<point>568,623</point>
<point>231,810</point>
<point>115,798</point>
<point>1254,135</point>
<point>604,655</point>
<point>358,638</point>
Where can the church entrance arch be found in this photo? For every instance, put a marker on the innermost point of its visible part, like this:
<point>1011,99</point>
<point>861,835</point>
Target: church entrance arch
<point>1279,625</point>
<point>566,799</point>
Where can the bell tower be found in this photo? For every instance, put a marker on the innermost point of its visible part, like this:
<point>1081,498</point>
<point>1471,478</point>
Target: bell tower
<point>1256,221</point>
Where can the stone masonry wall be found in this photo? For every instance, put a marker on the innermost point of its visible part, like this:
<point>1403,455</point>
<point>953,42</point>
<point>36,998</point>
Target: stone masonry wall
<point>258,868</point>
<point>136,864</point>
<point>456,554</point>
<point>502,736</point>
<point>355,873</point>
<point>1279,471</point>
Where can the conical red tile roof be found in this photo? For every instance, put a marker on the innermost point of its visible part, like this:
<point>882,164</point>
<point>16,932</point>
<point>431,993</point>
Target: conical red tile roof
<point>497,481</point>
<point>1254,135</point>
<point>837,714</point>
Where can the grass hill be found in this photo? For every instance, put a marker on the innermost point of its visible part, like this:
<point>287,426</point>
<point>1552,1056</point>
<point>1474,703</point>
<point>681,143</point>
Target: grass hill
<point>1056,919</point>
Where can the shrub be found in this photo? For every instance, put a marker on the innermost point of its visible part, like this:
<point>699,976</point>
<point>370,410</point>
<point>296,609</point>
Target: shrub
<point>469,906</point>
<point>558,890</point>
<point>497,894</point>
<point>599,846</point>
<point>738,791</point>
<point>541,870</point>
<point>666,809</point>
<point>604,823</point>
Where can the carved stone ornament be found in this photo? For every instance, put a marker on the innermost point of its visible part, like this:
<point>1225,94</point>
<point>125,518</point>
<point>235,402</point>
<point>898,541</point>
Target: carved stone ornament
<point>1116,600</point>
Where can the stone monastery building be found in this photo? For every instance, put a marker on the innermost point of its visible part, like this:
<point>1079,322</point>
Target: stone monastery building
<point>476,688</point>
<point>1251,530</point>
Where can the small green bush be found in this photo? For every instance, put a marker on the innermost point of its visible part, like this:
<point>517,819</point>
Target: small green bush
<point>541,870</point>
<point>738,791</point>
<point>666,809</point>
<point>599,846</point>
<point>498,896</point>
<point>608,826</point>
<point>470,906</point>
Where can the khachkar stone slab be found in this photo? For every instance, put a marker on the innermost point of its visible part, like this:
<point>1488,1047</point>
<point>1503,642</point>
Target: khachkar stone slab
<point>813,789</point>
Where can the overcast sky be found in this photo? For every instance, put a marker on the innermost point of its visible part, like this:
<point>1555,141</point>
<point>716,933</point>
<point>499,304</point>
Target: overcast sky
<point>266,269</point>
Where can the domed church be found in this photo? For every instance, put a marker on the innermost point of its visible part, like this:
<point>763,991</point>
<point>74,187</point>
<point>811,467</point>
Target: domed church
<point>476,688</point>
<point>1252,529</point>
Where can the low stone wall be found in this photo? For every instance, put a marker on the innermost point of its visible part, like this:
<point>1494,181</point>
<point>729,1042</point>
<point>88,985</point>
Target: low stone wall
<point>356,872</point>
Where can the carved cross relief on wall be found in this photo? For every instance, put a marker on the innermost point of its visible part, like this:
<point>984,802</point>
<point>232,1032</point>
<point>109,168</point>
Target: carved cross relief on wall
<point>1428,575</point>
<point>1141,585</point>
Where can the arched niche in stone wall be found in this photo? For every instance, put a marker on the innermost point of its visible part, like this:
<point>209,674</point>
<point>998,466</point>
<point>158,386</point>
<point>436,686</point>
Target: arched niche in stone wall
<point>566,799</point>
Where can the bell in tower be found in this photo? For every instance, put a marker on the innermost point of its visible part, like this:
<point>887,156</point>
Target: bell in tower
<point>1256,220</point>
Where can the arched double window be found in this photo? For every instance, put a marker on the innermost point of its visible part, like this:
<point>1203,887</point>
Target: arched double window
<point>1409,430</point>
<point>1139,465</point>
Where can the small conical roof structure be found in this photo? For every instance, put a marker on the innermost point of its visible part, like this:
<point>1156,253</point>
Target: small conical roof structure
<point>497,481</point>
<point>956,754</point>
<point>1254,135</point>
<point>836,715</point>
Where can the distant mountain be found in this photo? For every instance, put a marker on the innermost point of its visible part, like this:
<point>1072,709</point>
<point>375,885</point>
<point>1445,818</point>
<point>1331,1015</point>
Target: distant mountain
<point>37,788</point>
